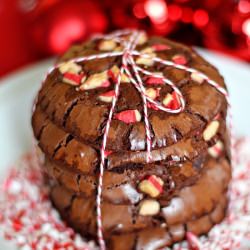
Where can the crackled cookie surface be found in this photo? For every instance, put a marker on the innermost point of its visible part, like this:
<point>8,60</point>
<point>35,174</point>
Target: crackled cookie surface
<point>166,164</point>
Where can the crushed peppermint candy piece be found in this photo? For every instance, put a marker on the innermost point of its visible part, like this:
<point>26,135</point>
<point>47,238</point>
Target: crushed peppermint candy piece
<point>142,38</point>
<point>149,207</point>
<point>114,72</point>
<point>125,78</point>
<point>70,67</point>
<point>146,61</point>
<point>172,101</point>
<point>107,96</point>
<point>151,185</point>
<point>152,80</point>
<point>179,59</point>
<point>216,150</point>
<point>193,241</point>
<point>147,50</point>
<point>152,93</point>
<point>73,79</point>
<point>107,45</point>
<point>128,116</point>
<point>97,80</point>
<point>72,73</point>
<point>211,130</point>
<point>217,117</point>
<point>160,47</point>
<point>107,153</point>
<point>152,106</point>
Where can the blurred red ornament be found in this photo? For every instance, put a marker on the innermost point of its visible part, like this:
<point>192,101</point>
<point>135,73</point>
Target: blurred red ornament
<point>139,10</point>
<point>156,10</point>
<point>174,12</point>
<point>244,6</point>
<point>65,32</point>
<point>228,33</point>
<point>200,18</point>
<point>59,24</point>
<point>246,27</point>
<point>187,15</point>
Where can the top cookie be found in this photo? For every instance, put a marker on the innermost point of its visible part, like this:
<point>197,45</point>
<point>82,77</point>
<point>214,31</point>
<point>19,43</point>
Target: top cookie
<point>75,100</point>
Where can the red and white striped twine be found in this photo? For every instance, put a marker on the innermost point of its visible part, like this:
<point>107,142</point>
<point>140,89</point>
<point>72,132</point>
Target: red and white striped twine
<point>128,63</point>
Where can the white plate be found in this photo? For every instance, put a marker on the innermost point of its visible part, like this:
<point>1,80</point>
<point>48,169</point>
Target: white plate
<point>18,90</point>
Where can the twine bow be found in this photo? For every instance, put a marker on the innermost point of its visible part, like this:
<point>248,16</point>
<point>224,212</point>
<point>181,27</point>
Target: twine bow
<point>132,70</point>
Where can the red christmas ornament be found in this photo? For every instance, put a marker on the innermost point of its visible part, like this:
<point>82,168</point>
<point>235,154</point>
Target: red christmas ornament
<point>230,33</point>
<point>58,24</point>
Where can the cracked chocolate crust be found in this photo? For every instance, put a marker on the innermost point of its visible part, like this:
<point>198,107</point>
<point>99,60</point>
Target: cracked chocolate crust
<point>193,208</point>
<point>122,188</point>
<point>81,114</point>
<point>85,120</point>
<point>157,237</point>
<point>162,236</point>
<point>65,149</point>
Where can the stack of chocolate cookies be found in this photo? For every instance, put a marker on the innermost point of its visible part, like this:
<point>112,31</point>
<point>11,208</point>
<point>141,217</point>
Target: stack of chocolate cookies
<point>145,204</point>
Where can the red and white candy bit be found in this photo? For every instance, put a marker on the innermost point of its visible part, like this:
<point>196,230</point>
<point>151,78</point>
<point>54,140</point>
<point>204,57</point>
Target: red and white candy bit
<point>152,106</point>
<point>142,38</point>
<point>149,207</point>
<point>160,47</point>
<point>99,80</point>
<point>179,59</point>
<point>114,72</point>
<point>129,116</point>
<point>151,80</point>
<point>152,185</point>
<point>107,96</point>
<point>193,241</point>
<point>172,101</point>
<point>216,150</point>
<point>146,61</point>
<point>72,73</point>
<point>217,117</point>
<point>70,67</point>
<point>211,130</point>
<point>107,45</point>
<point>152,93</point>
<point>107,153</point>
<point>74,79</point>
